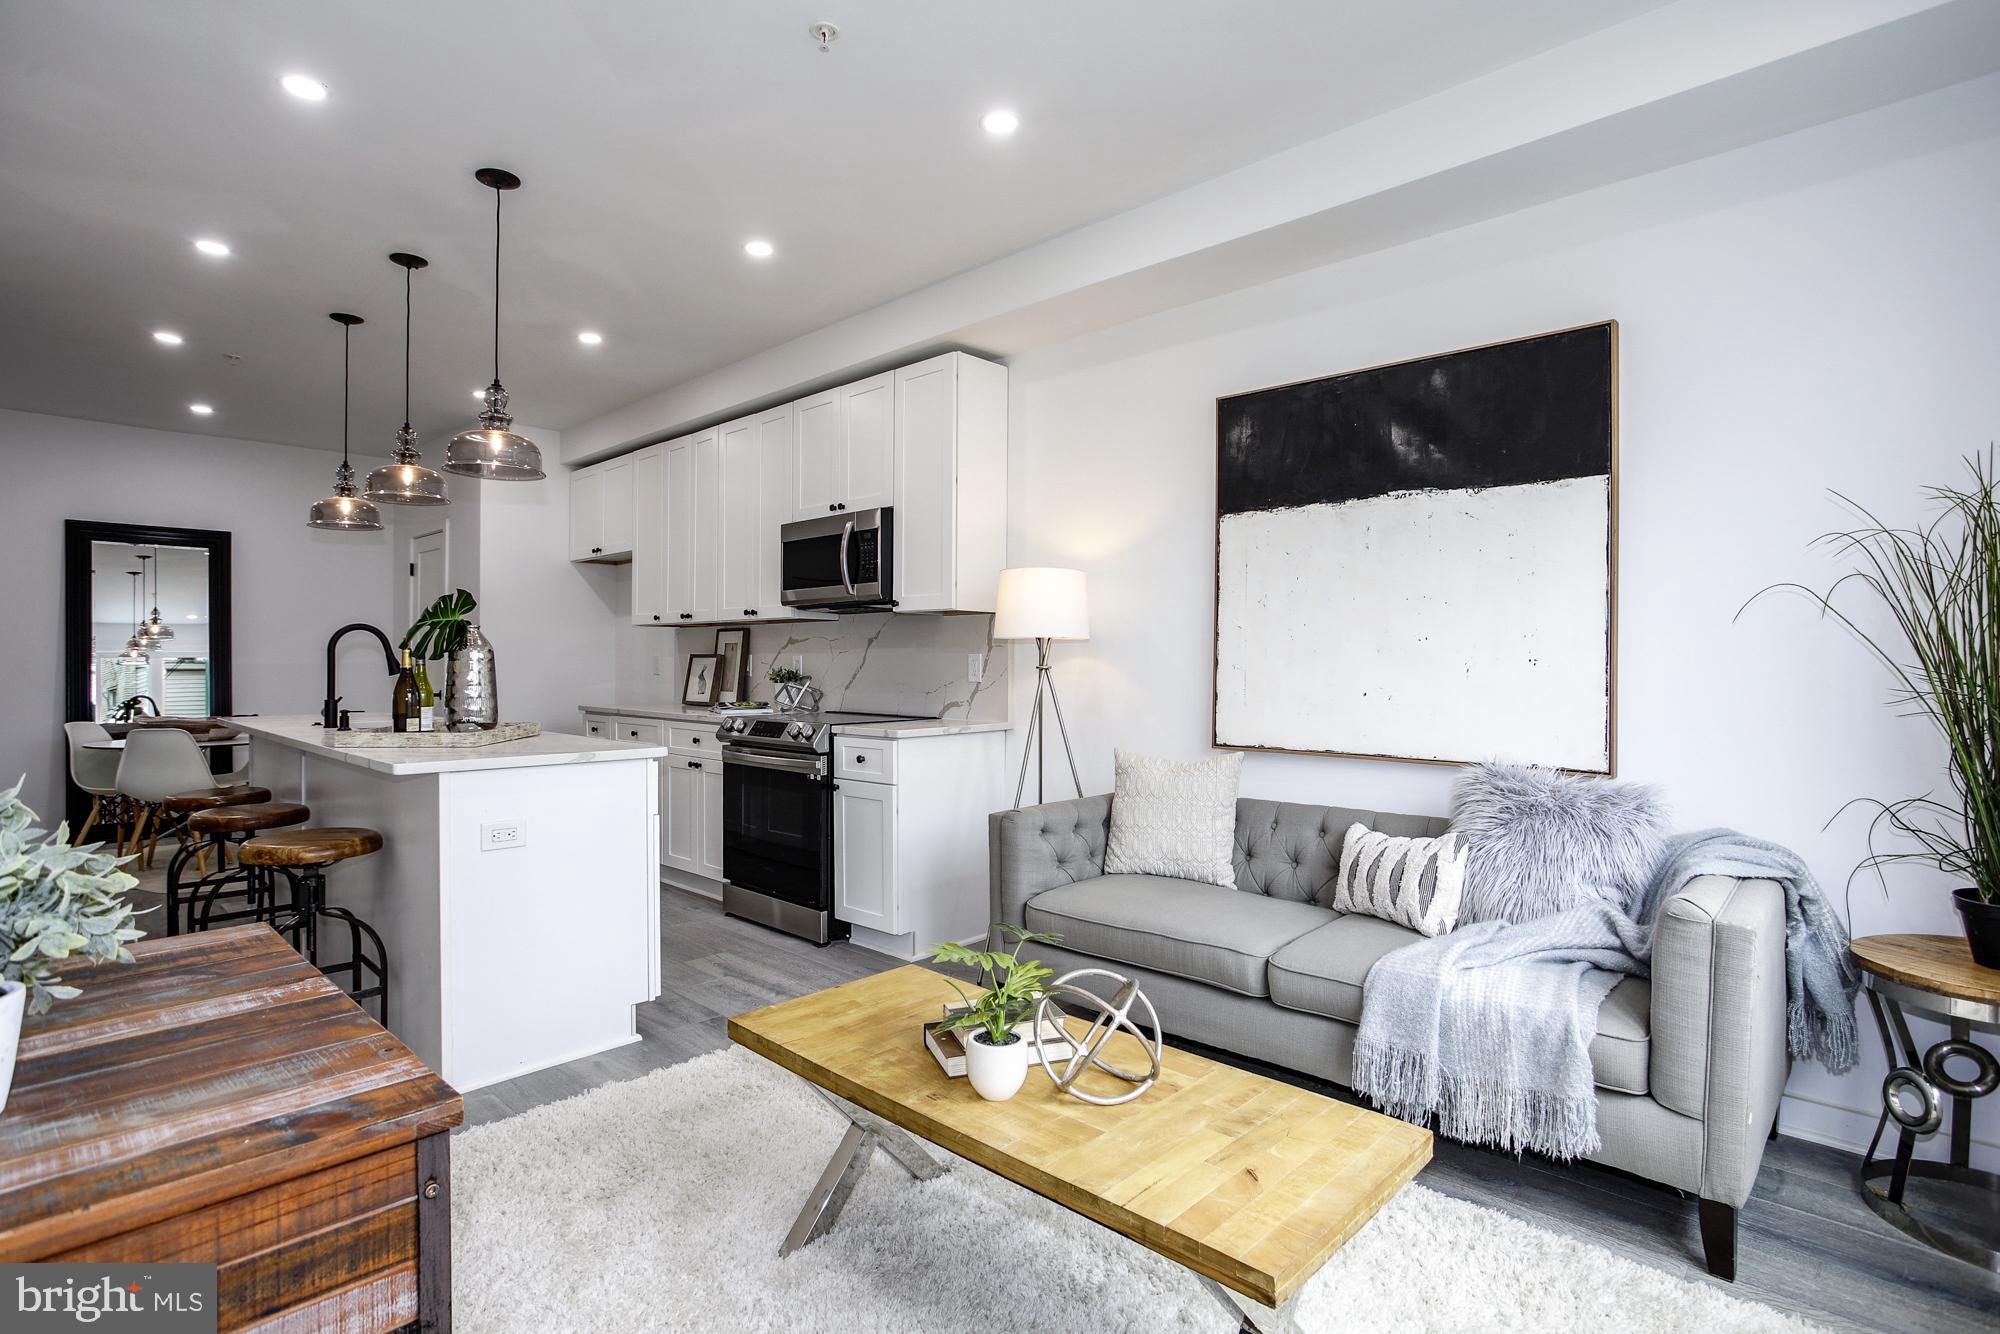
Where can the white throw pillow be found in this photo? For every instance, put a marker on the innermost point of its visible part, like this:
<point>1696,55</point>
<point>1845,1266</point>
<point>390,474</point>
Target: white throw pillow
<point>1175,818</point>
<point>1413,882</point>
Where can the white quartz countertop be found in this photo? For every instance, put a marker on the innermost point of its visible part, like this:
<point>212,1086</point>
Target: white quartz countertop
<point>900,730</point>
<point>303,732</point>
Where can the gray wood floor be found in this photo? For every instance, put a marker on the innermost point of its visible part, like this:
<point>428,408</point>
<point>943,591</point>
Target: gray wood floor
<point>1808,1244</point>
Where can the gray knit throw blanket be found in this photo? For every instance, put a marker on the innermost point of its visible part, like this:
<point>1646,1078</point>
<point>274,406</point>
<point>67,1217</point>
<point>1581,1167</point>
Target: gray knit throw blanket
<point>1488,1027</point>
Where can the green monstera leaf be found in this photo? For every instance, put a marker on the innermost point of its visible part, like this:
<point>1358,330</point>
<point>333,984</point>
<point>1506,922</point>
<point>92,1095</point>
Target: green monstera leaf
<point>440,631</point>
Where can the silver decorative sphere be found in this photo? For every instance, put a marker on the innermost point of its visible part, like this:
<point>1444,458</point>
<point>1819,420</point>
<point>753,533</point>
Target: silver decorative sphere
<point>1107,1017</point>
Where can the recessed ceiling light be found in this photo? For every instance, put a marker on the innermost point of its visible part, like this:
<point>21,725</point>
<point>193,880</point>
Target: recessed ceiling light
<point>200,409</point>
<point>590,338</point>
<point>759,249</point>
<point>1000,123</point>
<point>167,336</point>
<point>304,87</point>
<point>211,247</point>
<point>194,616</point>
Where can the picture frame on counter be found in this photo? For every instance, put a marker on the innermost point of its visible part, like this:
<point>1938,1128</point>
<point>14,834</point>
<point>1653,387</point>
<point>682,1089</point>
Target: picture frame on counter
<point>732,645</point>
<point>704,677</point>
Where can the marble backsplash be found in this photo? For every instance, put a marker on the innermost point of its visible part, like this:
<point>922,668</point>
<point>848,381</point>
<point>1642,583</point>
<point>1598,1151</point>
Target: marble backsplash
<point>878,663</point>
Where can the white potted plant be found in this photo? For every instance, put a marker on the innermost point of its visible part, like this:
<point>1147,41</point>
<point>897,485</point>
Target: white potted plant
<point>996,1054</point>
<point>56,902</point>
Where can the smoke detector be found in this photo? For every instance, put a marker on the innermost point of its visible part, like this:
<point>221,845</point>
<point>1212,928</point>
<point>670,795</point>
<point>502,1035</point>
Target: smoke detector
<point>825,34</point>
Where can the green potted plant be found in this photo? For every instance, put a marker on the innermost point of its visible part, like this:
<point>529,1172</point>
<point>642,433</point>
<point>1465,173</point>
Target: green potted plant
<point>1940,585</point>
<point>57,902</point>
<point>996,1055</point>
<point>442,631</point>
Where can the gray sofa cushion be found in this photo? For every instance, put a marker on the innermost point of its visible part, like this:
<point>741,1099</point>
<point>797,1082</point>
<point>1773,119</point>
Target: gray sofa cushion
<point>1219,936</point>
<point>1288,851</point>
<point>1323,973</point>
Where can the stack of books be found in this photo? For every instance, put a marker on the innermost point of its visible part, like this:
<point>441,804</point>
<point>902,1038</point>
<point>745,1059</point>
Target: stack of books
<point>948,1047</point>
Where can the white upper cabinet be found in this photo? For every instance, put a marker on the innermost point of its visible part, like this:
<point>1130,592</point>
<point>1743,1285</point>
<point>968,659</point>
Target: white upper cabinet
<point>705,524</point>
<point>868,436</point>
<point>649,537</point>
<point>951,483</point>
<point>774,510</point>
<point>738,515</point>
<point>600,511</point>
<point>816,444</point>
<point>678,565</point>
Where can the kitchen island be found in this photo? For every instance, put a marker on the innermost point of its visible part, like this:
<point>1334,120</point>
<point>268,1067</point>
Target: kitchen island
<point>517,888</point>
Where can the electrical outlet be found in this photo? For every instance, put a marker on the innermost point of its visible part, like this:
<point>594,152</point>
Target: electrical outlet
<point>656,664</point>
<point>798,662</point>
<point>496,834</point>
<point>975,667</point>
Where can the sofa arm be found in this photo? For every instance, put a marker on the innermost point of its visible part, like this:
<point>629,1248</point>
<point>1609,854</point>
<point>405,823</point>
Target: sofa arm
<point>1719,1050</point>
<point>1040,847</point>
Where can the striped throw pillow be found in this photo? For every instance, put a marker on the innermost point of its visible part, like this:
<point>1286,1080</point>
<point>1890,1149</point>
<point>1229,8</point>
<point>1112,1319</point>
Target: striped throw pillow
<point>1413,882</point>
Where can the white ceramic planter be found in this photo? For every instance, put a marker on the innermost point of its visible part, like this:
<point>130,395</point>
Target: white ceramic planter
<point>996,1072</point>
<point>13,1004</point>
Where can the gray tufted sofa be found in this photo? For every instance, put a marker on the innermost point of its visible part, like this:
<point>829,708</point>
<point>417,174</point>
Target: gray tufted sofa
<point>1689,1064</point>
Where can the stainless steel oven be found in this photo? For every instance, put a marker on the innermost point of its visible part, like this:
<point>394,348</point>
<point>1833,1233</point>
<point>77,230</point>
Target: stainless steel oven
<point>777,841</point>
<point>842,562</point>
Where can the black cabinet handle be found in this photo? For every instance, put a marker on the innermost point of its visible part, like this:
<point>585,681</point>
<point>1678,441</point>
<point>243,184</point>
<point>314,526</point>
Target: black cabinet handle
<point>831,508</point>
<point>656,616</point>
<point>861,759</point>
<point>694,764</point>
<point>749,611</point>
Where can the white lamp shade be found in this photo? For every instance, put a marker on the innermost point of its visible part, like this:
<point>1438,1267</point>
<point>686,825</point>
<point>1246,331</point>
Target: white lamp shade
<point>1042,602</point>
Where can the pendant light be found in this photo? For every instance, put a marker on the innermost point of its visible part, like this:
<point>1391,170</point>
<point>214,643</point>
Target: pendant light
<point>492,450</point>
<point>155,629</point>
<point>343,509</point>
<point>405,480</point>
<point>135,654</point>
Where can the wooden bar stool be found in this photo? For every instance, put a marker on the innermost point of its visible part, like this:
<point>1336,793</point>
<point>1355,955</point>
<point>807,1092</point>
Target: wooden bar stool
<point>177,808</point>
<point>224,824</point>
<point>302,856</point>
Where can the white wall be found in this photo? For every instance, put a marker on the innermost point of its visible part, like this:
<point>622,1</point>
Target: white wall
<point>292,584</point>
<point>1815,313</point>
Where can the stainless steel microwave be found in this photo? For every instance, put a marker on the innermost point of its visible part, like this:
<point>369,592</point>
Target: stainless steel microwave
<point>842,562</point>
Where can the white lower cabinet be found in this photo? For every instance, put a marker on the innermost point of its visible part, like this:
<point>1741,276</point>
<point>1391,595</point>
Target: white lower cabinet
<point>711,819</point>
<point>681,840</point>
<point>910,866</point>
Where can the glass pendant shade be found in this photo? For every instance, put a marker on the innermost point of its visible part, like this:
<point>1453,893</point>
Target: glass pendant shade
<point>155,629</point>
<point>491,449</point>
<point>343,509</point>
<point>404,480</point>
<point>134,654</point>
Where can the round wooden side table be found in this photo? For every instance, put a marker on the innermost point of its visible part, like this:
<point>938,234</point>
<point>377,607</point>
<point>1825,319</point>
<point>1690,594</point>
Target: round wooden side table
<point>1933,975</point>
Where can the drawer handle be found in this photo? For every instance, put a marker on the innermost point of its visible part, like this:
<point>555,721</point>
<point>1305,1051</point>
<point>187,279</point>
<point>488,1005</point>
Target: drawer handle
<point>656,616</point>
<point>634,734</point>
<point>694,741</point>
<point>861,759</point>
<point>694,764</point>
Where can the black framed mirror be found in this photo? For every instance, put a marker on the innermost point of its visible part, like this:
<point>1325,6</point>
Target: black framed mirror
<point>147,626</point>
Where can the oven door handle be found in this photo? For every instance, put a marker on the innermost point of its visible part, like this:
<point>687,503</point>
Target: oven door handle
<point>755,759</point>
<point>846,536</point>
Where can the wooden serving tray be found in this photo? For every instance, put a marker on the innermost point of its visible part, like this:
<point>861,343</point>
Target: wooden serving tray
<point>381,738</point>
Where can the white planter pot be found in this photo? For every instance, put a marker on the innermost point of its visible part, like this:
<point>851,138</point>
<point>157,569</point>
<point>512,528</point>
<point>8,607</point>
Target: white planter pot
<point>996,1072</point>
<point>13,1004</point>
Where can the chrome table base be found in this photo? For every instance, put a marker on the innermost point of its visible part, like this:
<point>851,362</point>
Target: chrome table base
<point>1254,1317</point>
<point>1913,1098</point>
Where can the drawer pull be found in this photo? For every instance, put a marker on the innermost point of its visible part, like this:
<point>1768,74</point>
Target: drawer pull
<point>694,764</point>
<point>431,1188</point>
<point>861,759</point>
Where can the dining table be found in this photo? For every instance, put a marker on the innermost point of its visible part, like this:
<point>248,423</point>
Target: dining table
<point>206,743</point>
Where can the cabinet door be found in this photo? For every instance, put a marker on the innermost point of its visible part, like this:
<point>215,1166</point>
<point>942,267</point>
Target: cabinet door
<point>711,820</point>
<point>678,565</point>
<point>586,514</point>
<point>816,454</point>
<point>649,537</point>
<point>707,496</point>
<point>864,845</point>
<point>868,438</point>
<point>615,502</point>
<point>926,458</point>
<point>774,509</point>
<point>738,516</point>
<point>681,841</point>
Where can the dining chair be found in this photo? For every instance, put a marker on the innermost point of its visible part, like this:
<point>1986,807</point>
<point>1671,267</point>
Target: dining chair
<point>95,771</point>
<point>157,763</point>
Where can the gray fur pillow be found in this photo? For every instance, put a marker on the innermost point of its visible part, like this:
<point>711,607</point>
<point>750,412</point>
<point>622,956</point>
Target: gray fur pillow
<point>1544,842</point>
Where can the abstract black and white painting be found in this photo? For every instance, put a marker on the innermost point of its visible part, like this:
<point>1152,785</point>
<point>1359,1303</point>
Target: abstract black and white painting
<point>1416,561</point>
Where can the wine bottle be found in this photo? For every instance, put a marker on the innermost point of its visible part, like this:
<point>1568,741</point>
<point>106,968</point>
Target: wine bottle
<point>427,700</point>
<point>403,699</point>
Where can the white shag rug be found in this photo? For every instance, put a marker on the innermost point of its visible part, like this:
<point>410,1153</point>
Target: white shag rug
<point>658,1204</point>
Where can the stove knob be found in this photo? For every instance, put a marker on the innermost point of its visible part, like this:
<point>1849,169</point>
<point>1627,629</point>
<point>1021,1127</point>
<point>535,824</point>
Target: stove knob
<point>801,731</point>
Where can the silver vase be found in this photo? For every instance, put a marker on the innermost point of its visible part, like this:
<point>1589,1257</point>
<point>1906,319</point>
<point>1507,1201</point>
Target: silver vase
<point>472,691</point>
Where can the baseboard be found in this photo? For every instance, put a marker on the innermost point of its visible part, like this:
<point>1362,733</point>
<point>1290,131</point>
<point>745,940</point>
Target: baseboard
<point>693,884</point>
<point>1850,1128</point>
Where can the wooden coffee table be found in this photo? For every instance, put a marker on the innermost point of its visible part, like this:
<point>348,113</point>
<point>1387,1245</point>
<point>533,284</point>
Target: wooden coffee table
<point>1248,1182</point>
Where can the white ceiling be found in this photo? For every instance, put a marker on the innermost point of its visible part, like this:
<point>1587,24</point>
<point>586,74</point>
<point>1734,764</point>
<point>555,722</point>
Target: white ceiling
<point>181,572</point>
<point>653,139</point>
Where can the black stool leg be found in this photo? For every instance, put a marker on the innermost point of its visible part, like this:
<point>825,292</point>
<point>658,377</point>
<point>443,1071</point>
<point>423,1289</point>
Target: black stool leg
<point>361,965</point>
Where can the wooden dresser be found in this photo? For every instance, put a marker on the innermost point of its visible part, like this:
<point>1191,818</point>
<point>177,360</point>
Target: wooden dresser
<point>219,1101</point>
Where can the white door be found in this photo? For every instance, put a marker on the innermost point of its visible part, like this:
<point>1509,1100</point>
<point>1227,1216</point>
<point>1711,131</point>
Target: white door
<point>926,454</point>
<point>707,498</point>
<point>614,498</point>
<point>680,844</point>
<point>868,439</point>
<point>774,509</point>
<point>679,545</point>
<point>711,820</point>
<point>586,514</point>
<point>816,462</point>
<point>649,538</point>
<point>864,845</point>
<point>738,514</point>
<point>429,577</point>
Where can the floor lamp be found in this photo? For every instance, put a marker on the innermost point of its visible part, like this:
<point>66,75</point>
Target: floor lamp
<point>1044,604</point>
